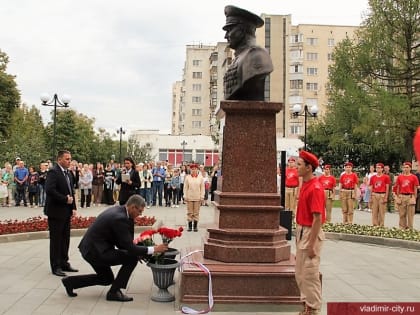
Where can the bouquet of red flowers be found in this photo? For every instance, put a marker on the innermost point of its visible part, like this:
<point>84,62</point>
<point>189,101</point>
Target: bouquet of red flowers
<point>146,239</point>
<point>168,234</point>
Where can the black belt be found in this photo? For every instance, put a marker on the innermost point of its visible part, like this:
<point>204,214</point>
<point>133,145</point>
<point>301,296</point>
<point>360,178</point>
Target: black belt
<point>348,188</point>
<point>291,186</point>
<point>378,192</point>
<point>407,194</point>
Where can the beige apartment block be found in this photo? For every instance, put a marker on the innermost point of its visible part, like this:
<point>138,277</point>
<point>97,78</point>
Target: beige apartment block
<point>301,56</point>
<point>310,54</point>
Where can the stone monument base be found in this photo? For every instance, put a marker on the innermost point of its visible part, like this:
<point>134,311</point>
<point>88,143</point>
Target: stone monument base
<point>254,283</point>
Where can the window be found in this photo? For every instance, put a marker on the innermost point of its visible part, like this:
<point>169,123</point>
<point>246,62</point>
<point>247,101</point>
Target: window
<point>330,56</point>
<point>196,63</point>
<point>297,68</point>
<point>310,86</point>
<point>311,56</point>
<point>296,38</point>
<point>197,75</point>
<point>196,124</point>
<point>197,112</point>
<point>312,41</point>
<point>196,87</point>
<point>296,54</point>
<point>295,129</point>
<point>312,71</point>
<point>199,156</point>
<point>196,99</point>
<point>331,42</point>
<point>296,84</point>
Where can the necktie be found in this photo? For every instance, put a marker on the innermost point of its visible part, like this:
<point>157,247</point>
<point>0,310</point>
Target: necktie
<point>66,173</point>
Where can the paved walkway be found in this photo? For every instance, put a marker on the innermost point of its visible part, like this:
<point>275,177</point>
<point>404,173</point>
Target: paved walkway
<point>351,272</point>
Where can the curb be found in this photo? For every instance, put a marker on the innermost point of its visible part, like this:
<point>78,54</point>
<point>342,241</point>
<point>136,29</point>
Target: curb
<point>375,240</point>
<point>30,236</point>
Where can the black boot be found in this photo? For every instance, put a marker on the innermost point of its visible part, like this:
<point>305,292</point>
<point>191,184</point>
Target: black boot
<point>195,226</point>
<point>189,226</point>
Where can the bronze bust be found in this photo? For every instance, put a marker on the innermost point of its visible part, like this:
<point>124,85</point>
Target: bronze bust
<point>245,77</point>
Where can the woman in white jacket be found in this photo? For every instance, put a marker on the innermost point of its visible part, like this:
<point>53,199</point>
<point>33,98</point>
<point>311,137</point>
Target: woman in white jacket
<point>194,196</point>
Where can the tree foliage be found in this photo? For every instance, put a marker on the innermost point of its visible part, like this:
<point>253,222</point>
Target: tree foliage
<point>9,95</point>
<point>374,95</point>
<point>27,137</point>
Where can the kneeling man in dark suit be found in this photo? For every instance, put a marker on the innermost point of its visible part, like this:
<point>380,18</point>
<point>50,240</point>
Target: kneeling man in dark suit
<point>109,242</point>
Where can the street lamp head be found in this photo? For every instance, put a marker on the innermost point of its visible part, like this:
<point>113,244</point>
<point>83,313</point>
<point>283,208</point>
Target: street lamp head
<point>296,109</point>
<point>45,97</point>
<point>66,99</point>
<point>313,110</point>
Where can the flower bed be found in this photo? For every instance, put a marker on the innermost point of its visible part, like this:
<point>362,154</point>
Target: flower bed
<point>369,230</point>
<point>36,224</point>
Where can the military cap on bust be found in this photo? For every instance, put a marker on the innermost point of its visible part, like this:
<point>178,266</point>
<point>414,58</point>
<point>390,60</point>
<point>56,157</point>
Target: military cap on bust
<point>235,15</point>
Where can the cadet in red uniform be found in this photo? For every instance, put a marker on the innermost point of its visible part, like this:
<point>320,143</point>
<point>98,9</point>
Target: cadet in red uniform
<point>347,186</point>
<point>406,191</point>
<point>292,185</point>
<point>379,186</point>
<point>310,216</point>
<point>328,182</point>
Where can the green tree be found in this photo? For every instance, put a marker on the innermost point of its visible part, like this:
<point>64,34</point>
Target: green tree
<point>140,153</point>
<point>27,137</point>
<point>74,132</point>
<point>374,100</point>
<point>9,96</point>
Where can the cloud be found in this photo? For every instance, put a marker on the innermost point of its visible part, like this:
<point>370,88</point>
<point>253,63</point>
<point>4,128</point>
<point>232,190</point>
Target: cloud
<point>119,59</point>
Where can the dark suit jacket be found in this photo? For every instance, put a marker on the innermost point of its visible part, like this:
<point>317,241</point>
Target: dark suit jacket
<point>56,190</point>
<point>112,228</point>
<point>127,190</point>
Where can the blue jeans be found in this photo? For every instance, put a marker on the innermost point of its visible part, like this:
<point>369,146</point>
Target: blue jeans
<point>157,188</point>
<point>41,199</point>
<point>148,193</point>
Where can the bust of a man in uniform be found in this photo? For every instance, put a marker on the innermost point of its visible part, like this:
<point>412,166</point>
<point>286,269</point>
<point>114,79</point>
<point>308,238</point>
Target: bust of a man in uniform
<point>245,77</point>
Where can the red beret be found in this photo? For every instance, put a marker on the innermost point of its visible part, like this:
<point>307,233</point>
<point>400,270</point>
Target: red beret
<point>309,158</point>
<point>380,165</point>
<point>193,165</point>
<point>348,164</point>
<point>327,167</point>
<point>407,163</point>
<point>291,159</point>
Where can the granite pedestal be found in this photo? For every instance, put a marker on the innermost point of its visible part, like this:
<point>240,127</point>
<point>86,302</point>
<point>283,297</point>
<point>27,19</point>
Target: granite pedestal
<point>246,252</point>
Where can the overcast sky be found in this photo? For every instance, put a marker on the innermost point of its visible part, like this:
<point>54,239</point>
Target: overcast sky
<point>118,59</point>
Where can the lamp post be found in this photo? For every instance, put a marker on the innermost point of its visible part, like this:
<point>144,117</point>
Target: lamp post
<point>56,102</point>
<point>183,143</point>
<point>121,131</point>
<point>312,112</point>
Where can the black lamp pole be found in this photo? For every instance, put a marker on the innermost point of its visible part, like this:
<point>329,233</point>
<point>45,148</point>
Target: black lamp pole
<point>305,113</point>
<point>121,131</point>
<point>56,102</point>
<point>183,143</point>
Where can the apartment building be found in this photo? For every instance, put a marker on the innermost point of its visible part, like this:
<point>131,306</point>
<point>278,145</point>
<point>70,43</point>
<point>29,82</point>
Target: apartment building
<point>301,56</point>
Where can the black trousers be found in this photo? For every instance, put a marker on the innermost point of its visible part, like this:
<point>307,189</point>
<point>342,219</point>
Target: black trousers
<point>104,274</point>
<point>59,242</point>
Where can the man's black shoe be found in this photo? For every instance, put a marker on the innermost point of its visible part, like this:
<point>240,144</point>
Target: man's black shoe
<point>68,287</point>
<point>118,296</point>
<point>59,272</point>
<point>69,269</point>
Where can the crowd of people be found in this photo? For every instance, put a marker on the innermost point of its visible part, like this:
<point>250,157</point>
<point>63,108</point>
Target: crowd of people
<point>378,191</point>
<point>159,183</point>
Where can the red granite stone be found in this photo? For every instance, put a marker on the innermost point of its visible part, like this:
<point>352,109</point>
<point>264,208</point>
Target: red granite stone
<point>247,252</point>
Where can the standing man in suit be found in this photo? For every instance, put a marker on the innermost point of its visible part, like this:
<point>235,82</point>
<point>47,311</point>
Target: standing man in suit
<point>109,242</point>
<point>60,205</point>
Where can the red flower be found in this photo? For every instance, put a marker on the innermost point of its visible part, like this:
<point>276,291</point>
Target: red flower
<point>168,234</point>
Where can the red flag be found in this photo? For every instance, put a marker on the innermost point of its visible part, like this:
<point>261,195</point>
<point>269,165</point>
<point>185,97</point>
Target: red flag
<point>416,144</point>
